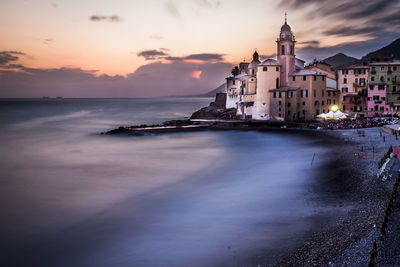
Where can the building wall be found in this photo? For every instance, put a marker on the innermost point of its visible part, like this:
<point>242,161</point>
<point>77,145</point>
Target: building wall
<point>312,105</point>
<point>232,96</point>
<point>377,101</point>
<point>266,80</point>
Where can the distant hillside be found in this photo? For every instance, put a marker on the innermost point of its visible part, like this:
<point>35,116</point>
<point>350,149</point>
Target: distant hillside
<point>219,89</point>
<point>339,60</point>
<point>390,50</point>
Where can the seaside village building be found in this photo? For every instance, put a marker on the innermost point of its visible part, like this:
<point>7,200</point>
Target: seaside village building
<point>281,88</point>
<point>372,89</point>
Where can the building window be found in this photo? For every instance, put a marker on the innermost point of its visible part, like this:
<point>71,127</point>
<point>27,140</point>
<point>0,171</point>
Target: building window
<point>252,71</point>
<point>382,78</point>
<point>288,112</point>
<point>395,68</point>
<point>280,103</point>
<point>381,87</point>
<point>277,82</point>
<point>323,93</point>
<point>334,101</point>
<point>315,77</point>
<point>304,78</point>
<point>322,102</point>
<point>382,68</point>
<point>372,78</point>
<point>304,103</point>
<point>344,107</point>
<point>315,93</point>
<point>283,50</point>
<point>290,94</point>
<point>371,87</point>
<point>293,78</point>
<point>344,80</point>
<point>323,78</point>
<point>304,93</point>
<point>280,95</point>
<point>329,93</point>
<point>394,89</point>
<point>381,108</point>
<point>375,97</point>
<point>345,90</point>
<point>291,49</point>
<point>277,68</point>
<point>288,104</point>
<point>279,115</point>
<point>265,69</point>
<point>274,94</point>
<point>233,82</point>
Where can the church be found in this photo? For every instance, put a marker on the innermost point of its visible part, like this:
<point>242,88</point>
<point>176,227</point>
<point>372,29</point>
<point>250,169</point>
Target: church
<point>280,88</point>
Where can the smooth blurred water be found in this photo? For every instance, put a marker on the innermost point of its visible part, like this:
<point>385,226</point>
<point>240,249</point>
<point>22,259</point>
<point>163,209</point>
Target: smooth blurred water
<point>72,197</point>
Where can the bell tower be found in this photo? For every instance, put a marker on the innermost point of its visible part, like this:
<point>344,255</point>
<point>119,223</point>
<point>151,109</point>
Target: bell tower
<point>285,52</point>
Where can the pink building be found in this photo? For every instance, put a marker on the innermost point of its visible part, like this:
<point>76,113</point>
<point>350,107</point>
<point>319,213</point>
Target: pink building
<point>377,100</point>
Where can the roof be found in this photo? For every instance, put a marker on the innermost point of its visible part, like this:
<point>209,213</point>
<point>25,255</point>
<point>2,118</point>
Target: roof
<point>394,62</point>
<point>286,27</point>
<point>270,62</point>
<point>299,63</point>
<point>304,72</point>
<point>254,63</point>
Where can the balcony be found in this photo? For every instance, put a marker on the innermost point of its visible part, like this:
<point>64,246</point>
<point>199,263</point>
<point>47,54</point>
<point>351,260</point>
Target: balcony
<point>359,85</point>
<point>389,72</point>
<point>378,101</point>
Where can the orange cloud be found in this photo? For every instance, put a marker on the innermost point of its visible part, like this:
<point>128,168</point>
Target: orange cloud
<point>196,74</point>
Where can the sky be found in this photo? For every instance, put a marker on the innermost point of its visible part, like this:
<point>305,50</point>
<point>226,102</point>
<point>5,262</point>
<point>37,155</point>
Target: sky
<point>132,48</point>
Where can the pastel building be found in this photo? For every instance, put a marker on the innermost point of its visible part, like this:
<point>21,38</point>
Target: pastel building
<point>387,74</point>
<point>280,88</point>
<point>353,88</point>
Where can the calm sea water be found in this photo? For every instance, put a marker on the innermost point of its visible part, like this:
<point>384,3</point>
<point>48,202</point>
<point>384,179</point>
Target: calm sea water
<point>72,197</point>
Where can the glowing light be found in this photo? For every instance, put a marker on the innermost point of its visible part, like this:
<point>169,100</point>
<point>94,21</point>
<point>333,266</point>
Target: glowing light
<point>334,108</point>
<point>196,74</point>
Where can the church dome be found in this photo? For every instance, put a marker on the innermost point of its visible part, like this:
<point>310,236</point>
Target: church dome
<point>285,28</point>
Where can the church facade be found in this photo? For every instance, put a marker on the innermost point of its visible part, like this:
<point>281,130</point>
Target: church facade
<point>280,88</point>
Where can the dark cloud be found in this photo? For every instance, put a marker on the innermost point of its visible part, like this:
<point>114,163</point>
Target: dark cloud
<point>378,20</point>
<point>150,80</point>
<point>312,42</point>
<point>152,54</point>
<point>349,31</point>
<point>162,53</point>
<point>113,18</point>
<point>206,57</point>
<point>172,9</point>
<point>8,56</point>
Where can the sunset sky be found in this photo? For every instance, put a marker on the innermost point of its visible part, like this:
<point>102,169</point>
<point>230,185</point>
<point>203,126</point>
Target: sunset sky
<point>194,41</point>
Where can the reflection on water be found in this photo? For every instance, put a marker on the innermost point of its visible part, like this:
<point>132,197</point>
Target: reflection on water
<point>71,197</point>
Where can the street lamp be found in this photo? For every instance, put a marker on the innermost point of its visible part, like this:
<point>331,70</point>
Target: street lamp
<point>334,108</point>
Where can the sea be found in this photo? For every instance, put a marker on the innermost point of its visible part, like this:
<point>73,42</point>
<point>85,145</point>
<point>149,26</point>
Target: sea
<point>72,196</point>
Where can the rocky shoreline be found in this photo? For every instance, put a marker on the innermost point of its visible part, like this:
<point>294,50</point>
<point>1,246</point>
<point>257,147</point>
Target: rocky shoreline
<point>348,240</point>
